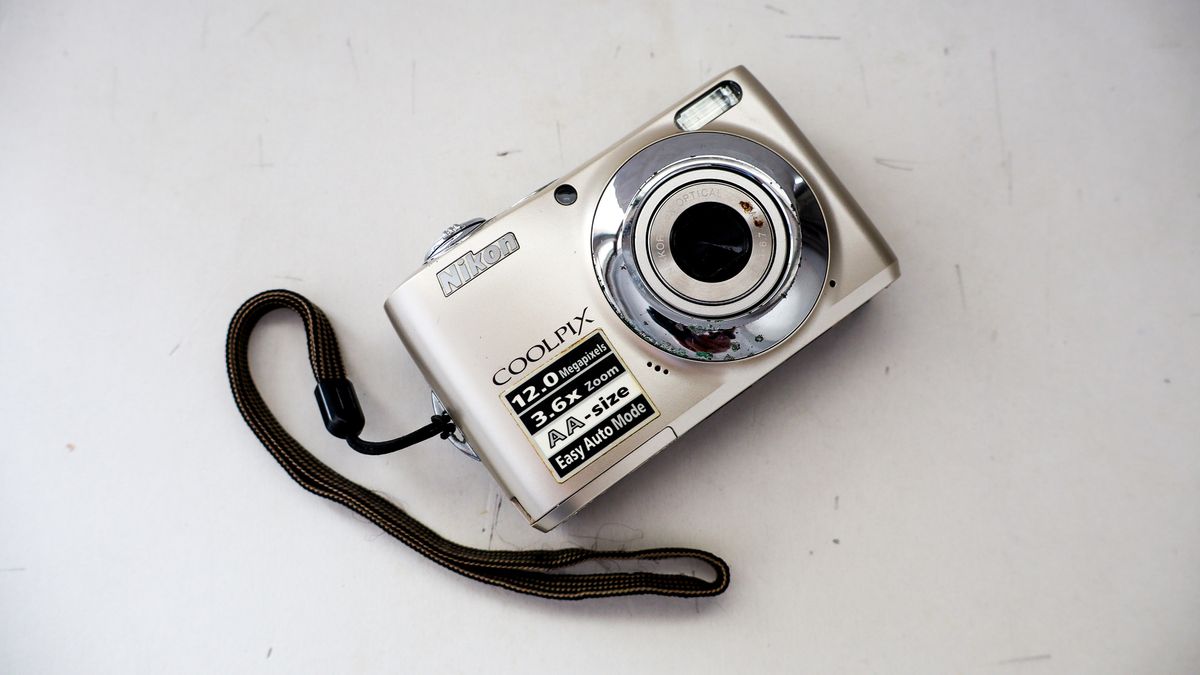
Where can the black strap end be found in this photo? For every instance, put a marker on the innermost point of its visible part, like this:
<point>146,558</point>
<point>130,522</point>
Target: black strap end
<point>340,410</point>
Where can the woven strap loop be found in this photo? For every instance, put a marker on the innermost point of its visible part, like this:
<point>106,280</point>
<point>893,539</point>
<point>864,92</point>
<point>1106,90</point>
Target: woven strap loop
<point>537,572</point>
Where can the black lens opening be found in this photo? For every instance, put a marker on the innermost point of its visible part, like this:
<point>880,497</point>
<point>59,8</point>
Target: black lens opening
<point>711,242</point>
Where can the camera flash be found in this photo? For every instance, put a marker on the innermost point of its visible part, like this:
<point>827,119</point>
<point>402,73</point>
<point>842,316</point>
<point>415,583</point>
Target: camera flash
<point>709,106</point>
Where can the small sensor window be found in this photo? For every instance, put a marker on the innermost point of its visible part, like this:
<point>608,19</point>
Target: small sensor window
<point>565,194</point>
<point>709,107</point>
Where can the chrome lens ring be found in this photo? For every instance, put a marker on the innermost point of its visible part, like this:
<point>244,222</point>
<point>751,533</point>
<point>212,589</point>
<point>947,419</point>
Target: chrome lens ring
<point>654,304</point>
<point>705,181</point>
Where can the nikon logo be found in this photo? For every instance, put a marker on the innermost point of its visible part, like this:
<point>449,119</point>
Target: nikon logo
<point>456,275</point>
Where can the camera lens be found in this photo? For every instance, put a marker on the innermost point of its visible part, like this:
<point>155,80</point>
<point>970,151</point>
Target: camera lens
<point>711,242</point>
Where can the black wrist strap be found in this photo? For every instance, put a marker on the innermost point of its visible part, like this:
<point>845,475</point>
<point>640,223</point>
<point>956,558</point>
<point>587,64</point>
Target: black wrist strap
<point>532,572</point>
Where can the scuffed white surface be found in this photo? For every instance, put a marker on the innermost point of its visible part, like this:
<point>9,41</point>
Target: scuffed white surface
<point>993,468</point>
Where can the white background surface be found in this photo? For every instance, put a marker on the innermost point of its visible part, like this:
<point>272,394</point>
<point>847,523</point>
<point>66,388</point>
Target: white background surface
<point>993,468</point>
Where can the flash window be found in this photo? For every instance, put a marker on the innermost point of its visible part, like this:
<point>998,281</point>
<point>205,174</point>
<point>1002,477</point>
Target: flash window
<point>709,107</point>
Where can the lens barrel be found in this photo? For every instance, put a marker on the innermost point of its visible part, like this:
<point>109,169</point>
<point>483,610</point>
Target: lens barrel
<point>711,242</point>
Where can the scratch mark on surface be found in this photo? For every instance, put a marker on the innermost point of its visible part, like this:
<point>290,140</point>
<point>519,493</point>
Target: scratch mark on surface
<point>506,153</point>
<point>353,58</point>
<point>1024,659</point>
<point>269,650</point>
<point>288,277</point>
<point>887,369</point>
<point>254,26</point>
<point>612,534</point>
<point>862,75</point>
<point>617,52</point>
<point>962,293</point>
<point>1005,154</point>
<point>262,163</point>
<point>897,164</point>
<point>204,32</point>
<point>813,37</point>
<point>175,348</point>
<point>12,569</point>
<point>558,131</point>
<point>773,8</point>
<point>495,519</point>
<point>505,541</point>
<point>413,87</point>
<point>1007,164</point>
<point>835,502</point>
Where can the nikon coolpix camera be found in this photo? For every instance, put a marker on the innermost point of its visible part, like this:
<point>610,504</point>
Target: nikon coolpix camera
<point>575,335</point>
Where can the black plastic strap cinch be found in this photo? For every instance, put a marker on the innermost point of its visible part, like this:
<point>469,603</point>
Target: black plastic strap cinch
<point>537,572</point>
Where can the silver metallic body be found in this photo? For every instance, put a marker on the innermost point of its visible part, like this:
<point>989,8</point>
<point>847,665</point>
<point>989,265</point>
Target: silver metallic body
<point>462,341</point>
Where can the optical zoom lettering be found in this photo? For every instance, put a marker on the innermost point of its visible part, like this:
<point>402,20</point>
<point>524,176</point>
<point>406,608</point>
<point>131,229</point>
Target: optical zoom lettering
<point>550,406</point>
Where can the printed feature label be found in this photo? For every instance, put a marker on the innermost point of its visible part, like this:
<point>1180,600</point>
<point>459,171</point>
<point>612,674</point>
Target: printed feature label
<point>579,405</point>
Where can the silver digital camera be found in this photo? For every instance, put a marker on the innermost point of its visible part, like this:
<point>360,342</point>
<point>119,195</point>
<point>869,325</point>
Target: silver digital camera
<point>575,335</point>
